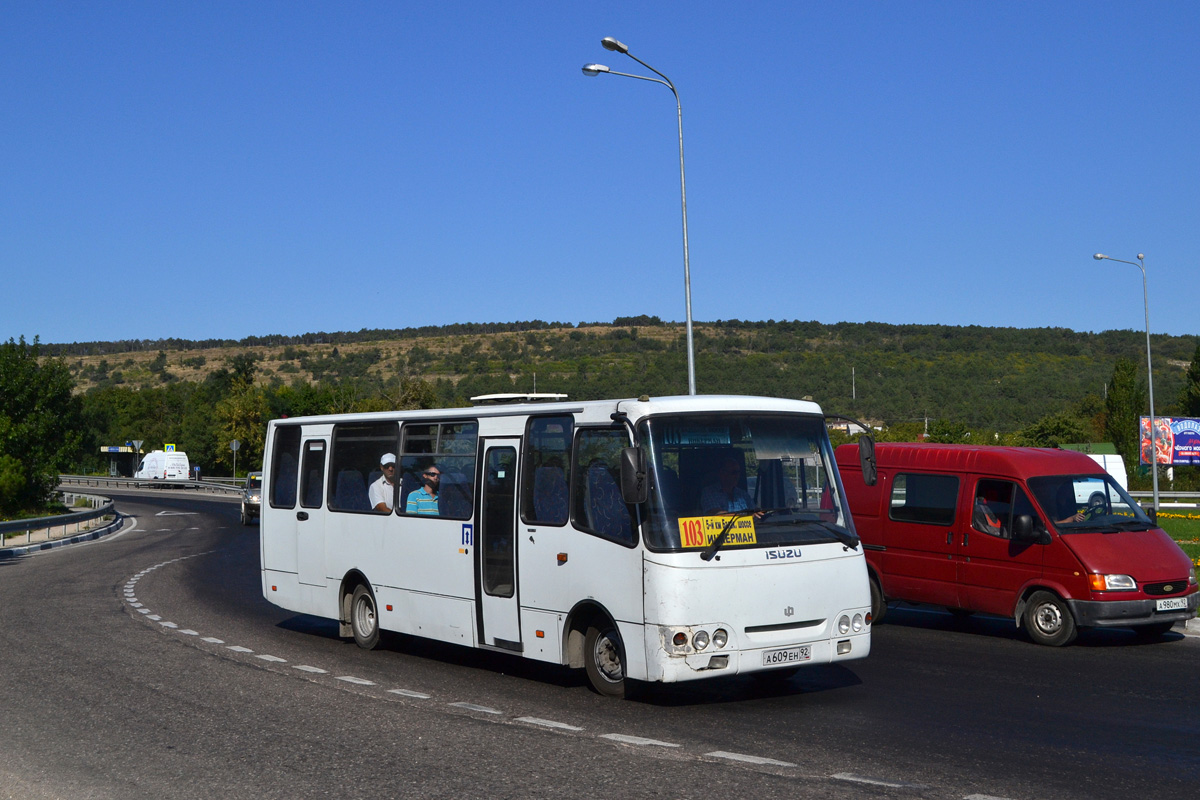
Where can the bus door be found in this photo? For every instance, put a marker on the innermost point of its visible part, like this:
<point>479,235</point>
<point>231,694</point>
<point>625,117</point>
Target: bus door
<point>496,567</point>
<point>310,516</point>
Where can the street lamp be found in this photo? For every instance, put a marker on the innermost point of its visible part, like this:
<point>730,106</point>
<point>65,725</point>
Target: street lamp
<point>612,44</point>
<point>1141,264</point>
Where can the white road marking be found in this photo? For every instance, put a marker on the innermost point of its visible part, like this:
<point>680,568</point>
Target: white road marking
<point>983,797</point>
<point>273,659</point>
<point>166,624</point>
<point>314,670</point>
<point>239,649</point>
<point>409,693</point>
<point>189,632</point>
<point>473,707</point>
<point>177,513</point>
<point>212,640</point>
<point>154,617</point>
<point>749,759</point>
<point>143,611</point>
<point>636,740</point>
<point>850,776</point>
<point>354,680</point>
<point>549,723</point>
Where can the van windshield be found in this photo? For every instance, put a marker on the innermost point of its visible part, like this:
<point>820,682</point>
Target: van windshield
<point>1088,503</point>
<point>705,468</point>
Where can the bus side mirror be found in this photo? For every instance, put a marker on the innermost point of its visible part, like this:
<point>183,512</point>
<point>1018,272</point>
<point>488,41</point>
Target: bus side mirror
<point>866,459</point>
<point>633,475</point>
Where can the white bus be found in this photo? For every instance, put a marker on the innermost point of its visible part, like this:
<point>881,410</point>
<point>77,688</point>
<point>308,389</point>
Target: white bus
<point>666,539</point>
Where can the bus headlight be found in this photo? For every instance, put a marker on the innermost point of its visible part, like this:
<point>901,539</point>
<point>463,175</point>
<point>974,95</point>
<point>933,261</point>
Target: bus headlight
<point>700,640</point>
<point>844,624</point>
<point>720,638</point>
<point>857,624</point>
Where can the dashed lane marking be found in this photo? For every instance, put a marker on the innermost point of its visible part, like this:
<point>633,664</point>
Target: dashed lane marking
<point>637,741</point>
<point>853,778</point>
<point>549,723</point>
<point>355,681</point>
<point>745,759</point>
<point>313,670</point>
<point>410,693</point>
<point>473,707</point>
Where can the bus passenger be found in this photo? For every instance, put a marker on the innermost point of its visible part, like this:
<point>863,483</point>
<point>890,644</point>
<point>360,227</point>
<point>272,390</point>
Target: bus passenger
<point>425,499</point>
<point>384,490</point>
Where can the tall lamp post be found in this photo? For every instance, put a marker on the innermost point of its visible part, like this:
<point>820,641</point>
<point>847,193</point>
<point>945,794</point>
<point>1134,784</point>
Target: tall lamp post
<point>1141,264</point>
<point>612,44</point>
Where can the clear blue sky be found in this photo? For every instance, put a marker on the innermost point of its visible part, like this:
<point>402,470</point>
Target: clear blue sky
<point>220,169</point>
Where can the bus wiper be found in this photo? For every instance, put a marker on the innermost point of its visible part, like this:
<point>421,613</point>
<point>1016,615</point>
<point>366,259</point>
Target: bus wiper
<point>841,534</point>
<point>712,549</point>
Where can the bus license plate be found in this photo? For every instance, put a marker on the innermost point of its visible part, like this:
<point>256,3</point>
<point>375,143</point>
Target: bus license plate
<point>1170,604</point>
<point>790,655</point>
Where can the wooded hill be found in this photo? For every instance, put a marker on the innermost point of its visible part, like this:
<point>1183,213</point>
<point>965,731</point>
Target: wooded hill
<point>995,379</point>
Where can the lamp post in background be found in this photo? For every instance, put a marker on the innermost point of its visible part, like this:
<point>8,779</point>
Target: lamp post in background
<point>612,44</point>
<point>1141,264</point>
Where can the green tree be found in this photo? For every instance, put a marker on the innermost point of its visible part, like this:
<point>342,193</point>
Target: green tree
<point>37,412</point>
<point>1189,398</point>
<point>1053,430</point>
<point>243,415</point>
<point>1126,402</point>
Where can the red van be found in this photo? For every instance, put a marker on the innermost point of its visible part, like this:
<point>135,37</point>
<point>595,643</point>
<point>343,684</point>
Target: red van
<point>1040,535</point>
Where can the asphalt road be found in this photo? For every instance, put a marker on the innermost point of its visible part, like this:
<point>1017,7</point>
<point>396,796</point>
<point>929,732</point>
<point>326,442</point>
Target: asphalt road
<point>147,665</point>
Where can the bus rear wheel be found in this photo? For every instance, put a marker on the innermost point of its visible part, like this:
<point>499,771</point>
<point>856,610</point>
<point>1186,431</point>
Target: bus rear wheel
<point>364,619</point>
<point>604,659</point>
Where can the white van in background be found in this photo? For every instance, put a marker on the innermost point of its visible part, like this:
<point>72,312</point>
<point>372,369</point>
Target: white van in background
<point>1113,465</point>
<point>160,465</point>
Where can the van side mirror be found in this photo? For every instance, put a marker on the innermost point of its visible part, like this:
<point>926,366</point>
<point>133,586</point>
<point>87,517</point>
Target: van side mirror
<point>866,459</point>
<point>633,475</point>
<point>1023,530</point>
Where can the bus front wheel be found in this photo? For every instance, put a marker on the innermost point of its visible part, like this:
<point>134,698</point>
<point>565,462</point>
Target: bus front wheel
<point>604,659</point>
<point>364,619</point>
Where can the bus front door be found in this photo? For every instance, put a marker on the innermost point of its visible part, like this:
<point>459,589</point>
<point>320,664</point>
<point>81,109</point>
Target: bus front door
<point>499,619</point>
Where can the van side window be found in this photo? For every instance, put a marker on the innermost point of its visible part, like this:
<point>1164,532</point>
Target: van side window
<point>354,462</point>
<point>449,446</point>
<point>312,476</point>
<point>596,489</point>
<point>544,488</point>
<point>996,504</point>
<point>285,466</point>
<point>927,499</point>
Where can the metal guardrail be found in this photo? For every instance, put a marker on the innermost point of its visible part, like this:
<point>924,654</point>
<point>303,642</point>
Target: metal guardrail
<point>1171,499</point>
<point>101,507</point>
<point>212,486</point>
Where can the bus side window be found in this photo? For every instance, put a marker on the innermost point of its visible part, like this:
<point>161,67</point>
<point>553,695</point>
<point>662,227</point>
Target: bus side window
<point>598,507</point>
<point>354,463</point>
<point>545,492</point>
<point>313,474</point>
<point>285,466</point>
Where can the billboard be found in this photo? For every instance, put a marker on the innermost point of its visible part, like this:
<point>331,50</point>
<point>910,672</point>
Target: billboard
<point>1178,440</point>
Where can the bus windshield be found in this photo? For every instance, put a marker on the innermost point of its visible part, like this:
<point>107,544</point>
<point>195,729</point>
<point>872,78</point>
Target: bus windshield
<point>767,477</point>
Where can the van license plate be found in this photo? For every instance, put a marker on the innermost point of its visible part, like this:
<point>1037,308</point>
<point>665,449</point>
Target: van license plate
<point>790,655</point>
<point>1170,604</point>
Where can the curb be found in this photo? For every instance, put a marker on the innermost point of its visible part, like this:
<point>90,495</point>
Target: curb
<point>1192,626</point>
<point>24,550</point>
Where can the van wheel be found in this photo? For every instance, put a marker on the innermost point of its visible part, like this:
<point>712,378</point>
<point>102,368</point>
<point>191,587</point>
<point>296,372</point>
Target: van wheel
<point>1048,620</point>
<point>364,621</point>
<point>878,603</point>
<point>604,659</point>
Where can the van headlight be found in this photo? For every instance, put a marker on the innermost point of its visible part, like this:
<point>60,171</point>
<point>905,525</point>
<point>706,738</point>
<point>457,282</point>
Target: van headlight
<point>1112,583</point>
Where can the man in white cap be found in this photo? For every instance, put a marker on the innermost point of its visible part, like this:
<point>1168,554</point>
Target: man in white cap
<point>383,491</point>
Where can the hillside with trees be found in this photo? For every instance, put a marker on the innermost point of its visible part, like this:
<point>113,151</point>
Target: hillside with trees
<point>989,385</point>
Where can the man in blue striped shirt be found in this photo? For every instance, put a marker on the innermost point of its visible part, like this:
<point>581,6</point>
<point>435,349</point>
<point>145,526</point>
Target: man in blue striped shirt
<point>424,500</point>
